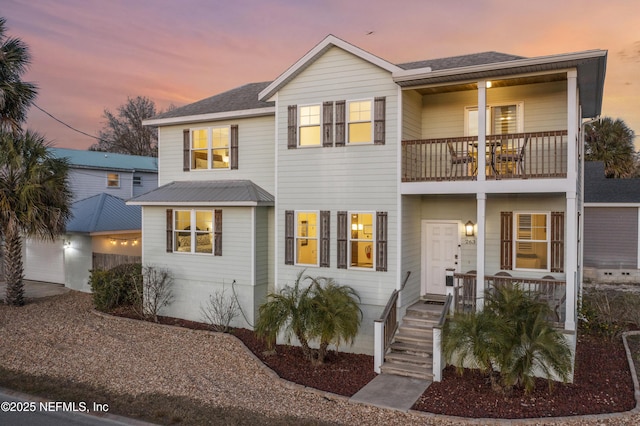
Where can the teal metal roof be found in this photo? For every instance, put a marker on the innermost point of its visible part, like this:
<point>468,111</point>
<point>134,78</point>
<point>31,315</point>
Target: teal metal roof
<point>104,213</point>
<point>106,160</point>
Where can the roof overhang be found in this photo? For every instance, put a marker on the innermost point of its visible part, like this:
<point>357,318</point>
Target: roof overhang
<point>326,44</point>
<point>591,66</point>
<point>218,116</point>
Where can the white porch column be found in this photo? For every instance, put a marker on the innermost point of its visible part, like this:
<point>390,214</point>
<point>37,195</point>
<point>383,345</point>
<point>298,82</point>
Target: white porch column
<point>571,260</point>
<point>573,124</point>
<point>481,206</point>
<point>482,130</point>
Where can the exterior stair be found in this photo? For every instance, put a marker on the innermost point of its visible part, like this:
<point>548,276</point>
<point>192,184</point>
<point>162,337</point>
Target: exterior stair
<point>411,352</point>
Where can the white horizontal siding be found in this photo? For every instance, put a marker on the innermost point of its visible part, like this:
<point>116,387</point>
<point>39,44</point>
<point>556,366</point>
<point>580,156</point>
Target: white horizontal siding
<point>256,154</point>
<point>350,178</point>
<point>411,248</point>
<point>545,108</point>
<point>411,115</point>
<point>85,183</point>
<point>197,275</point>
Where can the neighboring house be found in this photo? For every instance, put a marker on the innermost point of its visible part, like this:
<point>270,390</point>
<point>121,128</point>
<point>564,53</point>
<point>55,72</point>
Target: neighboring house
<point>611,230</point>
<point>351,167</point>
<point>91,173</point>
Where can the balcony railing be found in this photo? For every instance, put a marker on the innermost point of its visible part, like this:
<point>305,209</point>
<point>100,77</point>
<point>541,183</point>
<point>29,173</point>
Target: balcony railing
<point>550,290</point>
<point>507,156</point>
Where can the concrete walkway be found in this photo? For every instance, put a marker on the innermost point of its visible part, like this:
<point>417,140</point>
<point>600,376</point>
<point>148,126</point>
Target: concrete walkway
<point>36,289</point>
<point>391,391</point>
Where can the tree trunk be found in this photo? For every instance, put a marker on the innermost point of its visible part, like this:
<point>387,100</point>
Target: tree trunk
<point>13,269</point>
<point>322,352</point>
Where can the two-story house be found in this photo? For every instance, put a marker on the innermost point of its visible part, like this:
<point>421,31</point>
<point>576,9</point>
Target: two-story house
<point>103,228</point>
<point>355,168</point>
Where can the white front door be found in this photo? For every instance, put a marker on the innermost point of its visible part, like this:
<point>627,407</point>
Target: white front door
<point>440,250</point>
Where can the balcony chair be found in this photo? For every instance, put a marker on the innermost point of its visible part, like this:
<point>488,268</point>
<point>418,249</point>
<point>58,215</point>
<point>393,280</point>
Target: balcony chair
<point>458,157</point>
<point>513,156</point>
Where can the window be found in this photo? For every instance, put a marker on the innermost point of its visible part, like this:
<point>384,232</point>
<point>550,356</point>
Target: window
<point>307,238</point>
<point>210,148</point>
<point>137,181</point>
<point>113,180</point>
<point>500,119</point>
<point>193,231</point>
<point>359,125</point>
<point>310,125</point>
<point>531,241</point>
<point>361,240</point>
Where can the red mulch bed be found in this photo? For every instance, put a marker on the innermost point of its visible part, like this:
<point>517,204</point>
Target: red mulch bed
<point>602,382</point>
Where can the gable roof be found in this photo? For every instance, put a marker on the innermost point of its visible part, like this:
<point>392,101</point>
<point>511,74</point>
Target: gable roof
<point>460,61</point>
<point>242,100</point>
<point>600,189</point>
<point>211,192</point>
<point>106,160</point>
<point>326,44</point>
<point>103,213</point>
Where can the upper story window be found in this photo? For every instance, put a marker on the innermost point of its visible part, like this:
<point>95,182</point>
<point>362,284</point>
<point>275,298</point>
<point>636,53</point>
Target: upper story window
<point>500,119</point>
<point>360,128</point>
<point>137,181</point>
<point>307,238</point>
<point>310,125</point>
<point>210,148</point>
<point>113,180</point>
<point>193,231</point>
<point>531,248</point>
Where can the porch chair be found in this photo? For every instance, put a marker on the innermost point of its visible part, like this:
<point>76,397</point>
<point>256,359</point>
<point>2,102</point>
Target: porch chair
<point>469,291</point>
<point>513,156</point>
<point>501,279</point>
<point>460,157</point>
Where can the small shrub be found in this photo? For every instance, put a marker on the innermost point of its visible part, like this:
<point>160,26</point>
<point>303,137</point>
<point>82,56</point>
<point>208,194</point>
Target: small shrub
<point>220,310</point>
<point>116,287</point>
<point>603,313</point>
<point>155,292</point>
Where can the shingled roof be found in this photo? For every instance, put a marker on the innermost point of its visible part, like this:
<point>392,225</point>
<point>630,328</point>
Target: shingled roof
<point>239,99</point>
<point>599,189</point>
<point>461,61</point>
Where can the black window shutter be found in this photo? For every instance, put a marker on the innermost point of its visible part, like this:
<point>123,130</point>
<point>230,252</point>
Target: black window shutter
<point>327,124</point>
<point>379,115</point>
<point>342,239</point>
<point>506,240</point>
<point>292,134</point>
<point>340,120</point>
<point>381,241</point>
<point>557,241</point>
<point>186,150</point>
<point>325,225</point>
<point>289,237</point>
<point>234,147</point>
<point>169,230</point>
<point>217,236</point>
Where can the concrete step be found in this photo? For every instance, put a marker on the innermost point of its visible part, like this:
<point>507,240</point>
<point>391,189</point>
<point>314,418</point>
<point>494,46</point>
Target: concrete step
<point>407,371</point>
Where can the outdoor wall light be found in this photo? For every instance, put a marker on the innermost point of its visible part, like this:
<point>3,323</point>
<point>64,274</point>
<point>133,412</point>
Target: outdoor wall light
<point>468,229</point>
<point>67,244</point>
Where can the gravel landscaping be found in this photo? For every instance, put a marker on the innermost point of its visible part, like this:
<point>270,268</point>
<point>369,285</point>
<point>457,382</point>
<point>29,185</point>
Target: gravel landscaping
<point>61,337</point>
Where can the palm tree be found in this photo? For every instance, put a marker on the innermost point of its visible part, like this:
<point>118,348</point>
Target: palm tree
<point>336,314</point>
<point>16,96</point>
<point>611,142</point>
<point>289,310</point>
<point>34,200</point>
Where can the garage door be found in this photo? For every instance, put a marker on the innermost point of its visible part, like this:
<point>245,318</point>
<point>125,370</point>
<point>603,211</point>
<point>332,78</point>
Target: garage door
<point>44,261</point>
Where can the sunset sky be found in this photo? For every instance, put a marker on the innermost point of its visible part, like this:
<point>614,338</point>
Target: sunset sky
<point>89,55</point>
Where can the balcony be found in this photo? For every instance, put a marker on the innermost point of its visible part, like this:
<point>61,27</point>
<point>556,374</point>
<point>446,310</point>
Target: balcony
<point>507,156</point>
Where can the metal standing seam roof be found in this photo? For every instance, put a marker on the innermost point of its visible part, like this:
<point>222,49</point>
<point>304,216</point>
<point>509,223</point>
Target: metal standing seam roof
<point>106,160</point>
<point>102,213</point>
<point>218,192</point>
<point>600,189</point>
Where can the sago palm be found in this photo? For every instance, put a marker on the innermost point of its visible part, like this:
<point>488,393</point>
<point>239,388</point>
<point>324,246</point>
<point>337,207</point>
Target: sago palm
<point>34,200</point>
<point>336,314</point>
<point>16,96</point>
